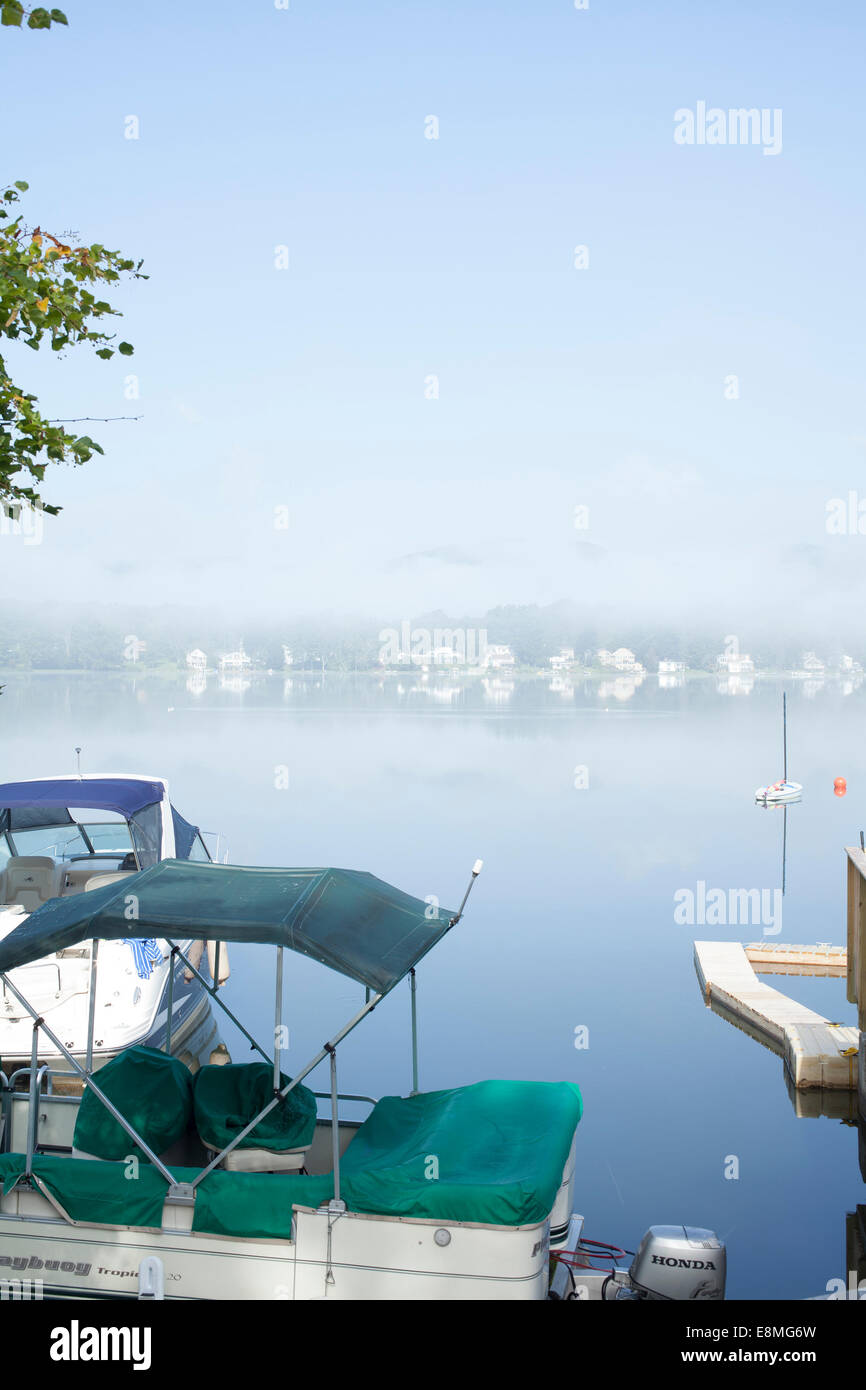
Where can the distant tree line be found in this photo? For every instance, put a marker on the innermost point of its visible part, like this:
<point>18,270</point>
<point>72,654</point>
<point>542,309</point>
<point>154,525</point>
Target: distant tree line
<point>114,639</point>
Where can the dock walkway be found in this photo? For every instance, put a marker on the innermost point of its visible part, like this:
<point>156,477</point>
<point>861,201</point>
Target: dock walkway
<point>817,1052</point>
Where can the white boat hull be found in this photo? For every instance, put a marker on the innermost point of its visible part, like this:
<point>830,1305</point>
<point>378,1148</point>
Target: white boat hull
<point>779,792</point>
<point>370,1257</point>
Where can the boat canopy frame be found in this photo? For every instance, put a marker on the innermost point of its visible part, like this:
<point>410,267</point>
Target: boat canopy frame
<point>25,948</point>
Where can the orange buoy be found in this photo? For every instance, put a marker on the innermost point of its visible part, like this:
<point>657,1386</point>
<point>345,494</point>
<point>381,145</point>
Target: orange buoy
<point>840,786</point>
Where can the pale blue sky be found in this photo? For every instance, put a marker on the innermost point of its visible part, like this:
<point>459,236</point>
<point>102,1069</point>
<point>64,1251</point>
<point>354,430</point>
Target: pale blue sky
<point>305,387</point>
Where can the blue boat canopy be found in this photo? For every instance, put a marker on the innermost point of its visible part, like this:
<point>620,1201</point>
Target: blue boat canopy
<point>345,919</point>
<point>126,795</point>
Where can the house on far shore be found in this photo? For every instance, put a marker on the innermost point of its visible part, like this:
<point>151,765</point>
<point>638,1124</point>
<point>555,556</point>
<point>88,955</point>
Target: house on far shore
<point>235,663</point>
<point>736,674</point>
<point>288,656</point>
<point>671,674</point>
<point>444,656</point>
<point>563,659</point>
<point>196,661</point>
<point>620,660</point>
<point>498,656</point>
<point>735,664</point>
<point>812,668</point>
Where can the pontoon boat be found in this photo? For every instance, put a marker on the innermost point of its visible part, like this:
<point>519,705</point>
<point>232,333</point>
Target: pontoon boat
<point>230,1184</point>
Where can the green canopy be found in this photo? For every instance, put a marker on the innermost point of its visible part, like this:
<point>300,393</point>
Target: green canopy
<point>343,918</point>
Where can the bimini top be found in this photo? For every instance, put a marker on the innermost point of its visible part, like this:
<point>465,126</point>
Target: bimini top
<point>126,795</point>
<point>348,920</point>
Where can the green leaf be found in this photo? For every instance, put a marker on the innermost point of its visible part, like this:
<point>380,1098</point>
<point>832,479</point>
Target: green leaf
<point>19,183</point>
<point>59,17</point>
<point>12,13</point>
<point>125,349</point>
<point>105,353</point>
<point>39,19</point>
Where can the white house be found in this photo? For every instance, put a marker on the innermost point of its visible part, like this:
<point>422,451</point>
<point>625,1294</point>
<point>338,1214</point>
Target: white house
<point>812,666</point>
<point>625,660</point>
<point>196,660</point>
<point>735,664</point>
<point>498,655</point>
<point>288,656</point>
<point>563,659</point>
<point>235,661</point>
<point>671,675</point>
<point>444,656</point>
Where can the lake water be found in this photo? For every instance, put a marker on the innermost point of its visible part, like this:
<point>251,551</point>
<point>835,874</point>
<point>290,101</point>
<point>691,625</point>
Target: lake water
<point>590,812</point>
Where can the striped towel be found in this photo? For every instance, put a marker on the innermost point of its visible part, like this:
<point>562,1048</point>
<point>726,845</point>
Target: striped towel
<point>146,954</point>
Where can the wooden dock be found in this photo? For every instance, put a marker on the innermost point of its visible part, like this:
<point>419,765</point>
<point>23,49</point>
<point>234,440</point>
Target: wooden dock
<point>857,952</point>
<point>818,1052</point>
<point>775,958</point>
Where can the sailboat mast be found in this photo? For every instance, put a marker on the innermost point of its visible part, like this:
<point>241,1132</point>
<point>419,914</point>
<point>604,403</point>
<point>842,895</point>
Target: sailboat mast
<point>785,734</point>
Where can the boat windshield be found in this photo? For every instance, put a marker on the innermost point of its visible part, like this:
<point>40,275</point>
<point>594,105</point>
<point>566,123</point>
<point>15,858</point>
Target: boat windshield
<point>109,834</point>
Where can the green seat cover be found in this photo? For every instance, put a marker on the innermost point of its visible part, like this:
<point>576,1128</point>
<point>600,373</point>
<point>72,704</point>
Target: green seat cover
<point>92,1191</point>
<point>493,1152</point>
<point>226,1099</point>
<point>256,1204</point>
<point>151,1090</point>
<point>230,1204</point>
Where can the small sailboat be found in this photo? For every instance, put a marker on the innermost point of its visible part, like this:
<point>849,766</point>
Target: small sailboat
<point>783,791</point>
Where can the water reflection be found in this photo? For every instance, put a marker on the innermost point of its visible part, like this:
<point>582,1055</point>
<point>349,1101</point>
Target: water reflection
<point>573,924</point>
<point>497,689</point>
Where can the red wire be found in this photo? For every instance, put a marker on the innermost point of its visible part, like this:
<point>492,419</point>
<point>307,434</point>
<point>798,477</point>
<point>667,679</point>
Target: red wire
<point>604,1251</point>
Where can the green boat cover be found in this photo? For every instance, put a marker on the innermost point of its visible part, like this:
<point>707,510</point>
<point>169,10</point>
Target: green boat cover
<point>348,920</point>
<point>152,1091</point>
<point>256,1204</point>
<point>493,1153</point>
<point>91,1191</point>
<point>226,1098</point>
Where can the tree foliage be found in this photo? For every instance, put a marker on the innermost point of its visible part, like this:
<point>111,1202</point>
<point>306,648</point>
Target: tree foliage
<point>13,14</point>
<point>49,292</point>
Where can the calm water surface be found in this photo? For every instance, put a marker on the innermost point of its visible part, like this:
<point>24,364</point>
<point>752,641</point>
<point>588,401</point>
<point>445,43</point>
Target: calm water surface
<point>570,926</point>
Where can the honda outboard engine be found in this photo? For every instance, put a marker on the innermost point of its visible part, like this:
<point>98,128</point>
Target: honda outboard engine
<point>680,1262</point>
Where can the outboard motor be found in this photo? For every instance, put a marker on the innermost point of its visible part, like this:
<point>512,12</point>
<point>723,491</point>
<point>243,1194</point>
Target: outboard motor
<point>680,1262</point>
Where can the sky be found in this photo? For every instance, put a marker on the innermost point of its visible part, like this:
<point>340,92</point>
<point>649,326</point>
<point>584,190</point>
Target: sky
<point>407,415</point>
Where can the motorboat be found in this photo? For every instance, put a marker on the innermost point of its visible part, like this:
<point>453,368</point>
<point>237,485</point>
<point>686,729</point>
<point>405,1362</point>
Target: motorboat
<point>249,1185</point>
<point>65,837</point>
<point>778,792</point>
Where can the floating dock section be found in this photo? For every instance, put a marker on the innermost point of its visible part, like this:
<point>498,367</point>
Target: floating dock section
<point>774,958</point>
<point>857,952</point>
<point>817,1052</point>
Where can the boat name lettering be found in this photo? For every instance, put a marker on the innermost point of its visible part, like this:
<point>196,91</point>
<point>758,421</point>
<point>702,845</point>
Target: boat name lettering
<point>33,1262</point>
